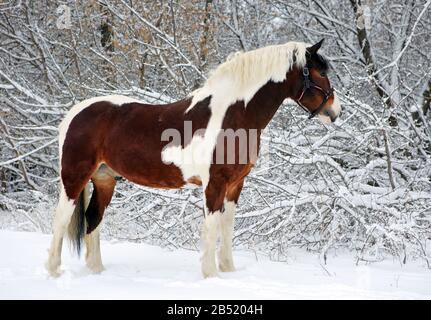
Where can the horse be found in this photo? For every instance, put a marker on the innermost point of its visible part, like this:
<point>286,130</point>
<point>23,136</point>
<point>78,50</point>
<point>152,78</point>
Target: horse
<point>168,146</point>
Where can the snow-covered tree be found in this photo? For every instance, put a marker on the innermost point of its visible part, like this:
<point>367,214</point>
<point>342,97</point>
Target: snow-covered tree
<point>364,183</point>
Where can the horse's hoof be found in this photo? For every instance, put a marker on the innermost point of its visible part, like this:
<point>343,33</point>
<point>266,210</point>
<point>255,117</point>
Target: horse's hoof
<point>209,273</point>
<point>96,269</point>
<point>226,267</point>
<point>53,271</point>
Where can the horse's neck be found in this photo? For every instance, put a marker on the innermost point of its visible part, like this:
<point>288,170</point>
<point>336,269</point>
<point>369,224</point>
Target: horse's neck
<point>265,103</point>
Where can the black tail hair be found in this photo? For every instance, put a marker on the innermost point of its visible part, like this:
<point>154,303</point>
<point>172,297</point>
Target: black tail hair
<point>77,225</point>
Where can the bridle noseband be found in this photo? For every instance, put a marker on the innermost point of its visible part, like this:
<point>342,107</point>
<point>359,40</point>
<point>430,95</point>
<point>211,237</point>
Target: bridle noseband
<point>308,83</point>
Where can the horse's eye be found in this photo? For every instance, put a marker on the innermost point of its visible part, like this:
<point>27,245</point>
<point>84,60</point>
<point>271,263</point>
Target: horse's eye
<point>323,73</point>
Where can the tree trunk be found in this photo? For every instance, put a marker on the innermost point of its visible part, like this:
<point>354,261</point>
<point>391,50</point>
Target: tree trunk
<point>107,37</point>
<point>203,46</point>
<point>371,68</point>
<point>426,104</point>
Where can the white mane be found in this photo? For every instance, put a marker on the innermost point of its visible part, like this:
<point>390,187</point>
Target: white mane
<point>244,73</point>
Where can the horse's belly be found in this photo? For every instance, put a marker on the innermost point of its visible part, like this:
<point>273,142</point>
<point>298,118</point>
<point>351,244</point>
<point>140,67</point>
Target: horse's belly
<point>163,177</point>
<point>143,167</point>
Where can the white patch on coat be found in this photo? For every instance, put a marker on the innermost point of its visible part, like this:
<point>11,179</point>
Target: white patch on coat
<point>336,105</point>
<point>335,108</point>
<point>238,79</point>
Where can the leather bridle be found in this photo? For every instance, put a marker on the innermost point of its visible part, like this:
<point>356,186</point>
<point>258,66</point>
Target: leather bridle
<point>308,83</point>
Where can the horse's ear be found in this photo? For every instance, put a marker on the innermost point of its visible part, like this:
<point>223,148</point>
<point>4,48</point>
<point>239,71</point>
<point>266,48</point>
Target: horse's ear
<point>314,48</point>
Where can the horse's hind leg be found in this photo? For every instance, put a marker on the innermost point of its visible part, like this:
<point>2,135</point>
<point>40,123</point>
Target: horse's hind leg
<point>71,202</point>
<point>104,184</point>
<point>64,211</point>
<point>93,257</point>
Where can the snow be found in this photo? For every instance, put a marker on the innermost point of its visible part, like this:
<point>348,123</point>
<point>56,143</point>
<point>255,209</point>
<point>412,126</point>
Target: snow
<point>140,271</point>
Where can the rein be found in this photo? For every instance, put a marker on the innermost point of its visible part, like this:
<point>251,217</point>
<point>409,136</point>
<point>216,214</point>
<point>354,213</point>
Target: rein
<point>308,83</point>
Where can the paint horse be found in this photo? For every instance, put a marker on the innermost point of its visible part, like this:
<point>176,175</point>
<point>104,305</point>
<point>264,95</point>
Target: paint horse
<point>104,138</point>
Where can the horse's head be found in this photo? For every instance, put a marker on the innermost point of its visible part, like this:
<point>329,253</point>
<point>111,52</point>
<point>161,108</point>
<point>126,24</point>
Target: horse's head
<point>313,91</point>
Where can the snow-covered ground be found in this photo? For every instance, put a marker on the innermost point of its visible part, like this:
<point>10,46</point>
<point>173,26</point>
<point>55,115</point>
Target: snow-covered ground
<point>139,271</point>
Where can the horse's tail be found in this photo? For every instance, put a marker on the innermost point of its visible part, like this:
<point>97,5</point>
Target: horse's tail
<point>78,225</point>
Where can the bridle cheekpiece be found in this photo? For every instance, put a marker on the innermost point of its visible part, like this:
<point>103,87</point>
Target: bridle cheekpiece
<point>308,83</point>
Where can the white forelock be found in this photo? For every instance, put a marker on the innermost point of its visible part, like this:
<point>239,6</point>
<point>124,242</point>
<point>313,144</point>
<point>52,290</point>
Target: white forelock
<point>244,73</point>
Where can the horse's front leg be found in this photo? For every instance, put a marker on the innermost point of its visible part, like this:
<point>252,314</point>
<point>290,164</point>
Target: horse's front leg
<point>226,227</point>
<point>225,258</point>
<point>214,201</point>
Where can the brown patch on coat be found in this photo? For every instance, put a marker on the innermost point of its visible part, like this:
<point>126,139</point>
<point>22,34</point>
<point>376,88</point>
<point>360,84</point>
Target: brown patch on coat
<point>195,180</point>
<point>127,139</point>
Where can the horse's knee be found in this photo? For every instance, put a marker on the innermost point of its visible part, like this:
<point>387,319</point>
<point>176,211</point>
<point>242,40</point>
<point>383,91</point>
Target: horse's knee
<point>214,195</point>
